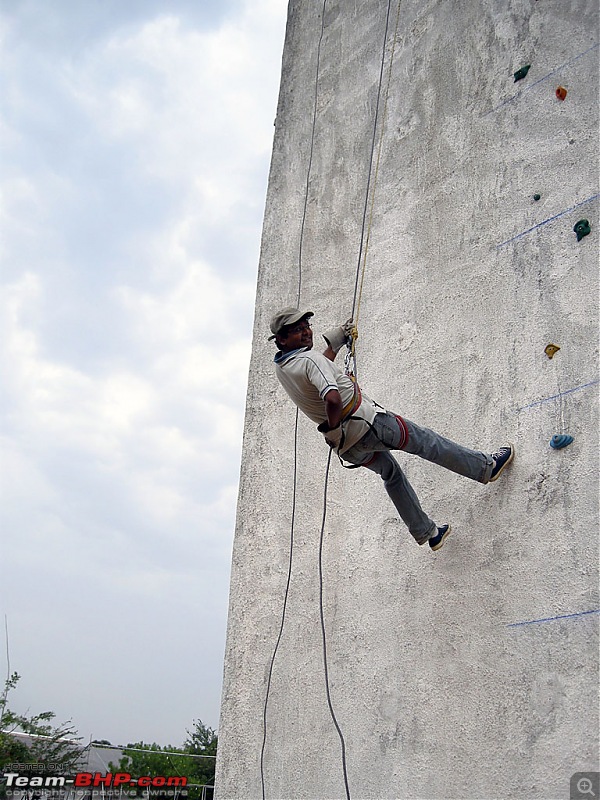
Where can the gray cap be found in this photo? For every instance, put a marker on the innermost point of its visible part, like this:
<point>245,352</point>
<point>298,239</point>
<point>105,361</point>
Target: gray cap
<point>286,317</point>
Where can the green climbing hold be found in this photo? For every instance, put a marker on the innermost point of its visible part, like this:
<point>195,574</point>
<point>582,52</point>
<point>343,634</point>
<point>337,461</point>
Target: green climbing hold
<point>537,197</point>
<point>582,228</point>
<point>521,73</point>
<point>558,441</point>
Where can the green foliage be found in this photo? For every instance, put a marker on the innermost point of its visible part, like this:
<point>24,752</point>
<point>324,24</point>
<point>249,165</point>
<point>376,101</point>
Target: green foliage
<point>190,761</point>
<point>53,748</point>
<point>202,741</point>
<point>149,759</point>
<point>55,751</point>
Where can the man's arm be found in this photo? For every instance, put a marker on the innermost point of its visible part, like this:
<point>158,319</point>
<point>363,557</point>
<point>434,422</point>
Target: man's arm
<point>330,353</point>
<point>333,407</point>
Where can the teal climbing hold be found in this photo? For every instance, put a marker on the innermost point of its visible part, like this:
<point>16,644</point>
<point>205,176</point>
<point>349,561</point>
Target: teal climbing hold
<point>537,197</point>
<point>582,228</point>
<point>521,73</point>
<point>558,441</point>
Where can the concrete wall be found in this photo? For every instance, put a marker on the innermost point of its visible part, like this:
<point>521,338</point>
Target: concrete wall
<point>438,692</point>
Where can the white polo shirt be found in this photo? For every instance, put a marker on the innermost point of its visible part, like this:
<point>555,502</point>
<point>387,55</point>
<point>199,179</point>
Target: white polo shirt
<point>307,376</point>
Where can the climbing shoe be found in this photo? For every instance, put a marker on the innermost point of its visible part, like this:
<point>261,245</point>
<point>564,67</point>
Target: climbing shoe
<point>438,540</point>
<point>502,459</point>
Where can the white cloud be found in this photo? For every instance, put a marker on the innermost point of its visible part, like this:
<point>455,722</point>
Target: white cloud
<point>134,176</point>
<point>196,103</point>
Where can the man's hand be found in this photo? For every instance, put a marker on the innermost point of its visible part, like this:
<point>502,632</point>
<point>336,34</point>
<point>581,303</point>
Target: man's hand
<point>336,338</point>
<point>333,436</point>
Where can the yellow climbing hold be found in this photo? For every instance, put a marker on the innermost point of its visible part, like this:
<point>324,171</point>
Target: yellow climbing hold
<point>551,350</point>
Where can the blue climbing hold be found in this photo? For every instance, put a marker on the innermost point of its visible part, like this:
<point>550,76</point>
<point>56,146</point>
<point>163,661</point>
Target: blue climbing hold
<point>558,441</point>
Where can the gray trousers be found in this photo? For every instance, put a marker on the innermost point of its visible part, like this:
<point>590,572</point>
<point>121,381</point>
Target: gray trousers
<point>391,433</point>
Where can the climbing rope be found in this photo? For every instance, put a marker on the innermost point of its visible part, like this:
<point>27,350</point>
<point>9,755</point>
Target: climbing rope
<point>310,155</point>
<point>362,258</point>
<point>362,252</point>
<point>351,369</point>
<point>292,524</point>
<point>323,634</point>
<point>285,601</point>
<point>365,236</point>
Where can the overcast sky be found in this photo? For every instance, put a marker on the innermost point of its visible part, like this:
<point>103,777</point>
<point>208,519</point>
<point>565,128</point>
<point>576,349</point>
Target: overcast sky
<point>136,139</point>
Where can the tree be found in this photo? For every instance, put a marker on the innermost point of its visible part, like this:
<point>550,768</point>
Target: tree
<point>150,760</point>
<point>52,748</point>
<point>194,761</point>
<point>202,741</point>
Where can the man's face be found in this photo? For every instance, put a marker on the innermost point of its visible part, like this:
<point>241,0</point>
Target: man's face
<point>299,335</point>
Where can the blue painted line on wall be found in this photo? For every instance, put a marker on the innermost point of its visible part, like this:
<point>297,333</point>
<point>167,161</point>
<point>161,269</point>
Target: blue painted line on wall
<point>553,619</point>
<point>540,80</point>
<point>550,219</point>
<point>561,394</point>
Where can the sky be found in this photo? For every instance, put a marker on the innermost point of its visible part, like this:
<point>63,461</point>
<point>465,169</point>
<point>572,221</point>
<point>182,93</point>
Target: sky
<point>136,139</point>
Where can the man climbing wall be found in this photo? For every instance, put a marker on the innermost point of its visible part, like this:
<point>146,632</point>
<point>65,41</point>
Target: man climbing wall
<point>361,430</point>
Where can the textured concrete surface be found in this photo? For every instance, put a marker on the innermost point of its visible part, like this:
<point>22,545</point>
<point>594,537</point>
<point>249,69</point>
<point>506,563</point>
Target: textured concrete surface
<point>438,692</point>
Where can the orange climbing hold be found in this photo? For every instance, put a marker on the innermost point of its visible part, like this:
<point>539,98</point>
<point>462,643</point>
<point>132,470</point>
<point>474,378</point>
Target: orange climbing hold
<point>561,92</point>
